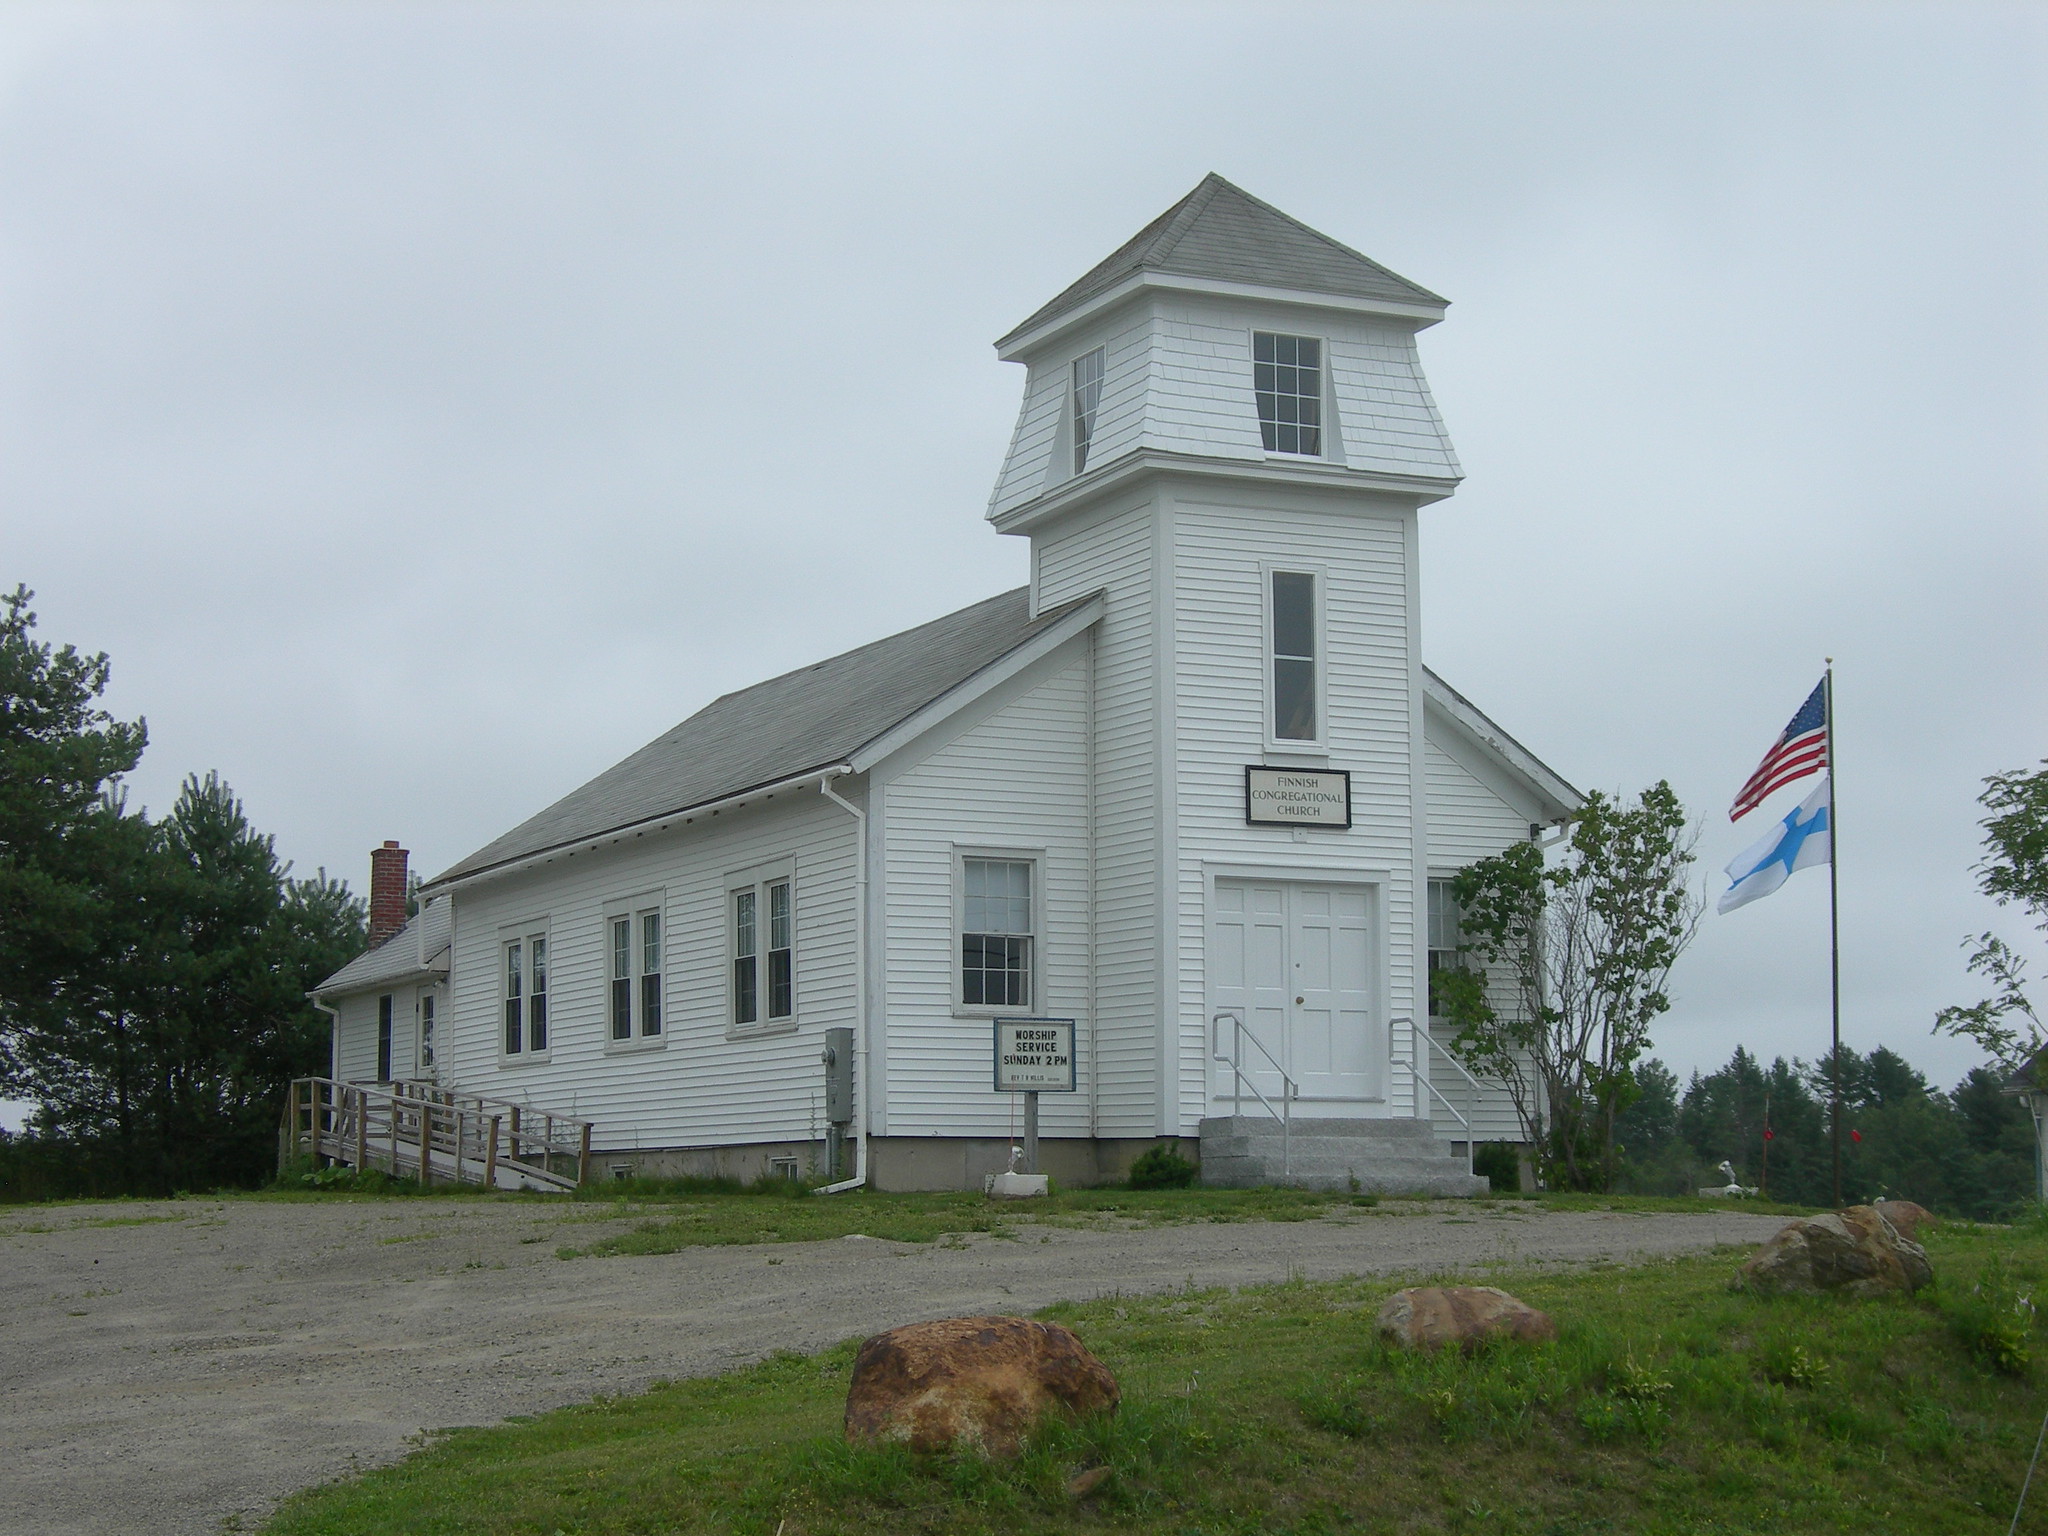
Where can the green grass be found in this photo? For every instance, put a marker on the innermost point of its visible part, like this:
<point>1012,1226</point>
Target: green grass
<point>1670,1403</point>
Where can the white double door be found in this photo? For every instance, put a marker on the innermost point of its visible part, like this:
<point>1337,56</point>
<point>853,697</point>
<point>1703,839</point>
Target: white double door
<point>1295,962</point>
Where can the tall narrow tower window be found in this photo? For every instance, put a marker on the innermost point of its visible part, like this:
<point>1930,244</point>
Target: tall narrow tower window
<point>1294,657</point>
<point>1287,376</point>
<point>1087,396</point>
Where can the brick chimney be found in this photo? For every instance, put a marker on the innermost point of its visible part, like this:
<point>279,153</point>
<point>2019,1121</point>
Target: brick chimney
<point>387,891</point>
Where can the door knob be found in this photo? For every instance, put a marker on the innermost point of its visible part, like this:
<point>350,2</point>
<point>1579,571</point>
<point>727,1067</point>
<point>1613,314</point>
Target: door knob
<point>1298,1000</point>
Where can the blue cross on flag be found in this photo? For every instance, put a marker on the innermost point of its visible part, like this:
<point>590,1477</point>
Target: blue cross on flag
<point>1800,840</point>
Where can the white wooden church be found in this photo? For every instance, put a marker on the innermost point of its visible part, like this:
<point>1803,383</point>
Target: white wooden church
<point>1192,789</point>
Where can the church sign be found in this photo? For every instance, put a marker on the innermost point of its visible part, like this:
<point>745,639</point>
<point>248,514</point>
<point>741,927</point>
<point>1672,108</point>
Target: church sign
<point>1297,797</point>
<point>1035,1056</point>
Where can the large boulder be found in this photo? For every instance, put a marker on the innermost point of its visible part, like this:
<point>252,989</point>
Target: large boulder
<point>1432,1317</point>
<point>1906,1218</point>
<point>1853,1252</point>
<point>975,1383</point>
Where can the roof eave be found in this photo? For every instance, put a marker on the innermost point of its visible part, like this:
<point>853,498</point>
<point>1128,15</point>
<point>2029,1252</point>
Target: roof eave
<point>1031,336</point>
<point>1549,786</point>
<point>1114,473</point>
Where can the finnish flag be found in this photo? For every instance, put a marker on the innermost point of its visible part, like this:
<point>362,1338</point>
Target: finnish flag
<point>1800,840</point>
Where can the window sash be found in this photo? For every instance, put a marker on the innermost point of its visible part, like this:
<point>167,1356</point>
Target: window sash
<point>426,1032</point>
<point>515,1007</point>
<point>781,953</point>
<point>650,974</point>
<point>537,994</point>
<point>746,961</point>
<point>622,978</point>
<point>996,931</point>
<point>1292,599</point>
<point>384,1038</point>
<point>1287,379</point>
<point>1087,399</point>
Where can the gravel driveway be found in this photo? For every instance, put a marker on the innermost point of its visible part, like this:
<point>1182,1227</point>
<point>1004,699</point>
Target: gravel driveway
<point>168,1366</point>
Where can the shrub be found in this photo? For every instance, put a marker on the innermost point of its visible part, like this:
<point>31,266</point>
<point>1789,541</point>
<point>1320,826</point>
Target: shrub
<point>1162,1168</point>
<point>1500,1162</point>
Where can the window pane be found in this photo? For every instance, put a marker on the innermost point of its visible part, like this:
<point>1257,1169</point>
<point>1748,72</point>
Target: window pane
<point>537,1022</point>
<point>743,924</point>
<point>778,916</point>
<point>745,1005</point>
<point>622,1008</point>
<point>650,1005</point>
<point>622,947</point>
<point>1294,614</point>
<point>995,971</point>
<point>426,1031</point>
<point>1294,700</point>
<point>537,994</point>
<point>650,943</point>
<point>779,984</point>
<point>1262,347</point>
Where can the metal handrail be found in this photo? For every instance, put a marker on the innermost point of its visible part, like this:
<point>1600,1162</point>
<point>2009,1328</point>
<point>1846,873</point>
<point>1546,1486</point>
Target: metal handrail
<point>1289,1090</point>
<point>1421,1075</point>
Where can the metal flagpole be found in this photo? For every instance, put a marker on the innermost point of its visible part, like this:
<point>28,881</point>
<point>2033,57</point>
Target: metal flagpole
<point>1834,927</point>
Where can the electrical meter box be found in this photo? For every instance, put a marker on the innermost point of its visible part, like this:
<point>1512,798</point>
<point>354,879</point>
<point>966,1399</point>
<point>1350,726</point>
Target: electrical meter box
<point>838,1060</point>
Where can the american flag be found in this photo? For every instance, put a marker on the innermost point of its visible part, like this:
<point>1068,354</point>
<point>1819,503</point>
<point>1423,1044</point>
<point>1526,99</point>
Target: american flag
<point>1803,749</point>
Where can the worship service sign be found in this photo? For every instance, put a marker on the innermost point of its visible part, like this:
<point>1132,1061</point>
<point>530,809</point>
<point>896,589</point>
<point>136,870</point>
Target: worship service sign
<point>1035,1056</point>
<point>1297,797</point>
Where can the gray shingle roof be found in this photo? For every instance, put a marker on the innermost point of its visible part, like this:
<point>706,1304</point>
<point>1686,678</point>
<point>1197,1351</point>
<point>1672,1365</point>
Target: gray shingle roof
<point>398,957</point>
<point>1220,231</point>
<point>808,719</point>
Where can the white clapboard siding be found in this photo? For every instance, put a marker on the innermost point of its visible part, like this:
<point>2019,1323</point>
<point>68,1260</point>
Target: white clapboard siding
<point>1219,674</point>
<point>706,1084</point>
<point>1113,551</point>
<point>1014,778</point>
<point>1041,449</point>
<point>1202,399</point>
<point>357,1061</point>
<point>1491,1109</point>
<point>1475,811</point>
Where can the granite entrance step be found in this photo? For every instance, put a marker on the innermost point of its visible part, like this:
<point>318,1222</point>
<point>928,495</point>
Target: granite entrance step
<point>1381,1157</point>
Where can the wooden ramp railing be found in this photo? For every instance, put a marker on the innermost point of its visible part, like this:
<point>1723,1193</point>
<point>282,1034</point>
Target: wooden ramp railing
<point>423,1131</point>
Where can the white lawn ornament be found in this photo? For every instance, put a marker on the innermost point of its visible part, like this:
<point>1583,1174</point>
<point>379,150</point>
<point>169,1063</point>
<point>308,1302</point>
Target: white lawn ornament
<point>1732,1190</point>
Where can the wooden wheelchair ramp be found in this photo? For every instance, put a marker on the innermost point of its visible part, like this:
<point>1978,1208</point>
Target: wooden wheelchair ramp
<point>436,1135</point>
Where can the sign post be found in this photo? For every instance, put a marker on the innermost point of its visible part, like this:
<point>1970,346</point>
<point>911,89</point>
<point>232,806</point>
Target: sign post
<point>1034,1056</point>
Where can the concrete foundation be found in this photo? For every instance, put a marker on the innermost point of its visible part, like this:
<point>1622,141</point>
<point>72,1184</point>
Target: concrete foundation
<point>894,1162</point>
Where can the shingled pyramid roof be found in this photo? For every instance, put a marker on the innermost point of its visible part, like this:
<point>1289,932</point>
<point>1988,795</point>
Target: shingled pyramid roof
<point>1222,232</point>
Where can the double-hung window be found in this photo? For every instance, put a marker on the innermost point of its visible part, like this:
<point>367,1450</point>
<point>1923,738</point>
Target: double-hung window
<point>426,1034</point>
<point>1087,397</point>
<point>1444,941</point>
<point>763,915</point>
<point>1293,630</point>
<point>1287,377</point>
<point>633,948</point>
<point>525,994</point>
<point>997,933</point>
<point>384,1038</point>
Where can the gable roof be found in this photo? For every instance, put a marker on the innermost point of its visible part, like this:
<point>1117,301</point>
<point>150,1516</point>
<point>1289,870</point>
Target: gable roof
<point>1221,232</point>
<point>1558,797</point>
<point>801,722</point>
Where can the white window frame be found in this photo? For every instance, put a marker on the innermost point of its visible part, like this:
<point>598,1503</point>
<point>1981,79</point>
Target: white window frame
<point>761,880</point>
<point>426,1044</point>
<point>1324,399</point>
<point>634,911</point>
<point>1319,744</point>
<point>1035,962</point>
<point>523,934</point>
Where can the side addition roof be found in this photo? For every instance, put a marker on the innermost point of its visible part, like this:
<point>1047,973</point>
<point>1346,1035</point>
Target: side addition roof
<point>1558,796</point>
<point>417,952</point>
<point>1221,232</point>
<point>804,721</point>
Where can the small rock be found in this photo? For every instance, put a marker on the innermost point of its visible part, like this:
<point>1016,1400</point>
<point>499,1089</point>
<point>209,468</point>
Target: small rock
<point>977,1383</point>
<point>1853,1252</point>
<point>1431,1317</point>
<point>1906,1217</point>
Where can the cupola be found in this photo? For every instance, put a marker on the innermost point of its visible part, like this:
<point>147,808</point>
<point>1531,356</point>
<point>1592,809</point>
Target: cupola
<point>1224,335</point>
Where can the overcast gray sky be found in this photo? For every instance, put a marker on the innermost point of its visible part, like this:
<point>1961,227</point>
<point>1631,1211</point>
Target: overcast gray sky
<point>426,405</point>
